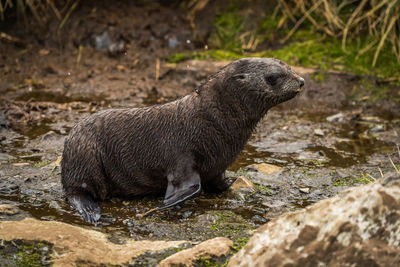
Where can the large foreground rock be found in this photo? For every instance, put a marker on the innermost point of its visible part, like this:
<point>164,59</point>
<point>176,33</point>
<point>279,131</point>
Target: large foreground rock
<point>360,227</point>
<point>72,244</point>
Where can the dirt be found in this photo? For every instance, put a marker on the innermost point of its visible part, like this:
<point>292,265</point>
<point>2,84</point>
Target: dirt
<point>328,139</point>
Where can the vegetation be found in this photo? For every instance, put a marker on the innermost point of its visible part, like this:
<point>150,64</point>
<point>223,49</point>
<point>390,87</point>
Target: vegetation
<point>23,253</point>
<point>362,37</point>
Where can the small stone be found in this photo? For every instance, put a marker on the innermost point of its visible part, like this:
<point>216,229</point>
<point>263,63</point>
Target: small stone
<point>390,178</point>
<point>50,135</point>
<point>7,209</point>
<point>20,164</point>
<point>241,182</point>
<point>173,43</point>
<point>266,168</point>
<point>339,117</point>
<point>378,129</point>
<point>304,190</point>
<point>102,42</point>
<point>258,219</point>
<point>187,214</point>
<point>6,157</point>
<point>318,132</point>
<point>43,52</point>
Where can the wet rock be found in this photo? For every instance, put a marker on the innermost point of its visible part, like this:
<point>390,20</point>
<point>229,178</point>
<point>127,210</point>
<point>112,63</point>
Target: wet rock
<point>319,132</point>
<point>304,190</point>
<point>361,227</point>
<point>378,129</point>
<point>103,42</point>
<point>72,244</point>
<point>390,179</point>
<point>173,43</point>
<point>258,219</point>
<point>8,187</point>
<point>339,117</point>
<point>213,248</point>
<point>267,168</point>
<point>241,182</point>
<point>6,157</point>
<point>264,173</point>
<point>49,136</point>
<point>7,209</point>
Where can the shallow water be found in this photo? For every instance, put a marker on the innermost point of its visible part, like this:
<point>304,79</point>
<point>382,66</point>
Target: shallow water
<point>306,161</point>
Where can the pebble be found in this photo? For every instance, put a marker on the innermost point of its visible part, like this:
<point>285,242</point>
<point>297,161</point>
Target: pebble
<point>241,182</point>
<point>339,117</point>
<point>304,190</point>
<point>258,219</point>
<point>266,168</point>
<point>378,129</point>
<point>318,132</point>
<point>6,157</point>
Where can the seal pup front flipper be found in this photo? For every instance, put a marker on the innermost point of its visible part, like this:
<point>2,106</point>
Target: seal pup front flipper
<point>183,182</point>
<point>86,206</point>
<point>179,191</point>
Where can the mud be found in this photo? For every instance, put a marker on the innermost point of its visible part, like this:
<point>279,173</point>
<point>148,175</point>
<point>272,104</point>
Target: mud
<point>325,141</point>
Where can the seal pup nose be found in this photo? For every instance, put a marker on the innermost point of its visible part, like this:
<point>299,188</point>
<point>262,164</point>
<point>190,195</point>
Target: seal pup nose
<point>301,82</point>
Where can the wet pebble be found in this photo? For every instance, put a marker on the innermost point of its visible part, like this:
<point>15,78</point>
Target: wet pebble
<point>318,132</point>
<point>7,209</point>
<point>241,182</point>
<point>6,157</point>
<point>104,43</point>
<point>304,190</point>
<point>173,43</point>
<point>378,129</point>
<point>258,219</point>
<point>187,214</point>
<point>8,188</point>
<point>339,117</point>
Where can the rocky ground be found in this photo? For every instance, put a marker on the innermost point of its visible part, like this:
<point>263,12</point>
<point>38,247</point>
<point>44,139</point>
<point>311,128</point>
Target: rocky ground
<point>334,136</point>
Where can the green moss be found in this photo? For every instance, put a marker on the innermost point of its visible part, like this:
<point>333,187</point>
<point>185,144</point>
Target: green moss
<point>312,50</point>
<point>24,253</point>
<point>263,189</point>
<point>230,225</point>
<point>364,179</point>
<point>207,263</point>
<point>240,242</point>
<point>28,258</point>
<point>342,182</point>
<point>203,55</point>
<point>40,164</point>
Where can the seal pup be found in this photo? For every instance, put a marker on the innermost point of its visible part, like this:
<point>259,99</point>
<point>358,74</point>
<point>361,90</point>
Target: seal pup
<point>177,148</point>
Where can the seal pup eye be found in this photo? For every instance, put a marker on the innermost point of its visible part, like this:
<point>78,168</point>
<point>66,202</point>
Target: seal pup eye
<point>273,78</point>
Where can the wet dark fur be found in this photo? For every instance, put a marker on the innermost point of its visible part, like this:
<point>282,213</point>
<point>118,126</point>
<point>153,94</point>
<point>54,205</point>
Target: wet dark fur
<point>141,151</point>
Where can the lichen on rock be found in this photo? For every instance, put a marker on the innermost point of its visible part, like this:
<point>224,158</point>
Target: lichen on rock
<point>359,227</point>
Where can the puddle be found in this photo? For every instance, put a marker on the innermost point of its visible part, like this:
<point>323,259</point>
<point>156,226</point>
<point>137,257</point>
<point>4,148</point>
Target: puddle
<point>46,96</point>
<point>33,130</point>
<point>153,98</point>
<point>245,210</point>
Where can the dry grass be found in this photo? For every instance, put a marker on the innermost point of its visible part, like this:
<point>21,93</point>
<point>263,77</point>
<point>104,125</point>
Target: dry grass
<point>349,20</point>
<point>41,10</point>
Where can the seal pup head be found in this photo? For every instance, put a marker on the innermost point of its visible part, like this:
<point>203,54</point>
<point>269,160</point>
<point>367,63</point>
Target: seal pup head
<point>263,82</point>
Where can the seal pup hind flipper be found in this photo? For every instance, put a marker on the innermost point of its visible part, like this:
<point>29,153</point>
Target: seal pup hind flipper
<point>86,206</point>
